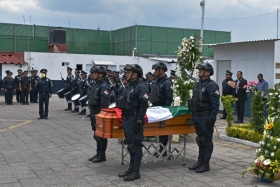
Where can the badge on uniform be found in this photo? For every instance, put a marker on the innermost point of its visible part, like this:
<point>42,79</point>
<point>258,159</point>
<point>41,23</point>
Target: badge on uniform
<point>106,92</point>
<point>217,92</point>
<point>146,96</point>
<point>203,89</point>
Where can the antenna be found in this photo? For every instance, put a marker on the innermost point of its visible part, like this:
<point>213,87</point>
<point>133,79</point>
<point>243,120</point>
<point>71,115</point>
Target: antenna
<point>69,23</point>
<point>23,19</point>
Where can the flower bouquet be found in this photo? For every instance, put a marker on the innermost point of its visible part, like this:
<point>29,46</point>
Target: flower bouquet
<point>252,86</point>
<point>267,162</point>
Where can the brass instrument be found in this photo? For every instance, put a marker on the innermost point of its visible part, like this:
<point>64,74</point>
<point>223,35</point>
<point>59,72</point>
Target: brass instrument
<point>42,75</point>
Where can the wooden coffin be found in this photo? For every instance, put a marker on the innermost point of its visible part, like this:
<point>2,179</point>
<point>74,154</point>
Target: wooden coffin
<point>108,126</point>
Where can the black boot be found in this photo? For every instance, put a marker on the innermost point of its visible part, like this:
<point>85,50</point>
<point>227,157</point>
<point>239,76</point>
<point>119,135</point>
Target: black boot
<point>95,156</point>
<point>100,157</point>
<point>203,167</point>
<point>67,109</point>
<point>196,165</point>
<point>135,174</point>
<point>83,112</point>
<point>127,172</point>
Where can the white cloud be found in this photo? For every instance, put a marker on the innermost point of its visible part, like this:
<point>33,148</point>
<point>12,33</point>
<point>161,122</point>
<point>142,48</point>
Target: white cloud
<point>17,6</point>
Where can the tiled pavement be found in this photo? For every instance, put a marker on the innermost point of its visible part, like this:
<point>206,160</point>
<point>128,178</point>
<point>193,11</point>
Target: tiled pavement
<point>54,152</point>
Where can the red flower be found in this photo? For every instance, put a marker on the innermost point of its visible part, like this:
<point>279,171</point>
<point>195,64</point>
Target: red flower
<point>245,86</point>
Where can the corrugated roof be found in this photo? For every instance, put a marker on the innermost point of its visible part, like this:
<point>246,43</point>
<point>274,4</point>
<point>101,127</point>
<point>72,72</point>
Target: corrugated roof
<point>169,60</point>
<point>249,41</point>
<point>12,58</point>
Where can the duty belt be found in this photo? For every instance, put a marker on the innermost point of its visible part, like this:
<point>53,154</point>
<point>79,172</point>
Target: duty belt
<point>43,92</point>
<point>204,113</point>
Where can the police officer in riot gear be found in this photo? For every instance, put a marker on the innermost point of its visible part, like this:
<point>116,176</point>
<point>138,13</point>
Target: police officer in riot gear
<point>113,88</point>
<point>9,85</point>
<point>227,90</point>
<point>75,90</point>
<point>124,83</point>
<point>204,105</point>
<point>34,92</point>
<point>134,103</point>
<point>25,87</point>
<point>161,95</point>
<point>44,87</point>
<point>17,79</point>
<point>98,99</point>
<point>67,87</point>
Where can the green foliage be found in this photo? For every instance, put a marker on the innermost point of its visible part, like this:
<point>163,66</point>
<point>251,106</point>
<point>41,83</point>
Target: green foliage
<point>245,132</point>
<point>257,111</point>
<point>228,101</point>
<point>276,128</point>
<point>273,103</point>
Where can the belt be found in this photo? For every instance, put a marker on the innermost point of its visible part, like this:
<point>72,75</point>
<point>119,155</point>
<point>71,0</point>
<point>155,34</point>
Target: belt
<point>204,113</point>
<point>44,92</point>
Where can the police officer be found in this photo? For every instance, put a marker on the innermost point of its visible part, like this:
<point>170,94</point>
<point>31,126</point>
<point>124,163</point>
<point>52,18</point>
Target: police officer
<point>34,92</point>
<point>67,87</point>
<point>113,89</point>
<point>3,87</point>
<point>227,90</point>
<point>161,95</point>
<point>116,74</point>
<point>204,105</point>
<point>75,90</point>
<point>9,85</point>
<point>84,90</point>
<point>25,87</point>
<point>17,79</point>
<point>134,103</point>
<point>124,83</point>
<point>44,87</point>
<point>98,98</point>
<point>108,73</point>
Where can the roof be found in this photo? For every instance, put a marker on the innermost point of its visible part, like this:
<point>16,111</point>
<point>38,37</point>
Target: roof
<point>168,60</point>
<point>99,62</point>
<point>12,58</point>
<point>249,41</point>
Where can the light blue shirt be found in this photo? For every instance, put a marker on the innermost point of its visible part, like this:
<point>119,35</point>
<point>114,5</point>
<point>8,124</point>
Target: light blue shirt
<point>263,86</point>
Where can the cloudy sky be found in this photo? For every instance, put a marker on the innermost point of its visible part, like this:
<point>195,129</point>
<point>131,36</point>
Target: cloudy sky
<point>114,14</point>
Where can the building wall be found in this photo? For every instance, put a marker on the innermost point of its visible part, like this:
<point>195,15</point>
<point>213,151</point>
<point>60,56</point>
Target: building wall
<point>276,61</point>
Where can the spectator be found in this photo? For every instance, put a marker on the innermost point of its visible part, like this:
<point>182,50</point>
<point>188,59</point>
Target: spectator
<point>240,94</point>
<point>263,86</point>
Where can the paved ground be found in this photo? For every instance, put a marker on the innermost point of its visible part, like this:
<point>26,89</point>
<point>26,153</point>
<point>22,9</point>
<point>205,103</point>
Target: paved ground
<point>54,152</point>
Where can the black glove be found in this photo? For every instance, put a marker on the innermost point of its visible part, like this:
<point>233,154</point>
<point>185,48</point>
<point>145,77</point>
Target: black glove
<point>211,122</point>
<point>137,126</point>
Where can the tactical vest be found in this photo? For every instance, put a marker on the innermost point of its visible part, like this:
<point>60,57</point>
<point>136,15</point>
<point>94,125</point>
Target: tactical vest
<point>123,102</point>
<point>197,101</point>
<point>93,99</point>
<point>155,96</point>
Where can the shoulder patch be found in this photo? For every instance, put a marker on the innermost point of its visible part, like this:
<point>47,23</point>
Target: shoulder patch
<point>106,92</point>
<point>146,96</point>
<point>217,92</point>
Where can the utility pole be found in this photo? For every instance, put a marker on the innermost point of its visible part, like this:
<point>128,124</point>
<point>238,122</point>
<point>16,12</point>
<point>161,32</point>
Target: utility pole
<point>202,4</point>
<point>277,23</point>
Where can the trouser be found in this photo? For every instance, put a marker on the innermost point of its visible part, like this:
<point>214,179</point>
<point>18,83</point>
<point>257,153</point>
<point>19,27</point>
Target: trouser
<point>240,107</point>
<point>134,141</point>
<point>101,143</point>
<point>68,100</point>
<point>18,95</point>
<point>9,95</point>
<point>5,97</point>
<point>34,95</point>
<point>163,140</point>
<point>204,137</point>
<point>43,99</point>
<point>24,94</point>
<point>76,105</point>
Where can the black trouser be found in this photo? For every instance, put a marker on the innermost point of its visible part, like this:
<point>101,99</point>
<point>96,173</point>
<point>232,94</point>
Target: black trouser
<point>34,95</point>
<point>240,108</point>
<point>43,98</point>
<point>24,94</point>
<point>18,93</point>
<point>164,140</point>
<point>5,96</point>
<point>9,95</point>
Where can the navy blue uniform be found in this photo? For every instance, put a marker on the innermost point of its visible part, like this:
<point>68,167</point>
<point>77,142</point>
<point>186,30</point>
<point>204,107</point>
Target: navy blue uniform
<point>3,80</point>
<point>205,117</point>
<point>9,84</point>
<point>34,91</point>
<point>120,90</point>
<point>44,89</point>
<point>138,96</point>
<point>75,89</point>
<point>18,93</point>
<point>165,98</point>
<point>25,88</point>
<point>67,88</point>
<point>96,104</point>
<point>84,87</point>
<point>227,90</point>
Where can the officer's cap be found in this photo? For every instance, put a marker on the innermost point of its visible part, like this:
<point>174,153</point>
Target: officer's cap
<point>43,71</point>
<point>149,74</point>
<point>172,71</point>
<point>35,71</point>
<point>77,71</point>
<point>32,71</point>
<point>19,70</point>
<point>83,72</point>
<point>115,72</point>
<point>25,72</point>
<point>228,72</point>
<point>68,68</point>
<point>111,77</point>
<point>7,71</point>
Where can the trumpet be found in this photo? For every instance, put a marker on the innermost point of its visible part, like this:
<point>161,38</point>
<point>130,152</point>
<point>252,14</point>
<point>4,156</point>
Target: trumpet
<point>43,75</point>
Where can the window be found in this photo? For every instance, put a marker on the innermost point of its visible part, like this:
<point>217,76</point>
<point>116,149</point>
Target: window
<point>277,76</point>
<point>277,65</point>
<point>65,64</point>
<point>88,67</point>
<point>79,66</point>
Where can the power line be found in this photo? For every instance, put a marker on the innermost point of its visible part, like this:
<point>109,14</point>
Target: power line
<point>242,18</point>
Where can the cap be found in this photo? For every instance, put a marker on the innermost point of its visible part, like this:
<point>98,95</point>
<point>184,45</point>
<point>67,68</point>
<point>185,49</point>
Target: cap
<point>228,72</point>
<point>19,70</point>
<point>149,74</point>
<point>76,70</point>
<point>68,68</point>
<point>25,72</point>
<point>115,72</point>
<point>7,71</point>
<point>43,71</point>
<point>172,71</point>
<point>35,71</point>
<point>111,77</point>
<point>32,71</point>
<point>83,72</point>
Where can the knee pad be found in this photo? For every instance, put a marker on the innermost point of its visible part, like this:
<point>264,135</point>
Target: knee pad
<point>206,141</point>
<point>198,141</point>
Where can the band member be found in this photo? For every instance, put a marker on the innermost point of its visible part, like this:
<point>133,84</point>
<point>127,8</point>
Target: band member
<point>84,90</point>
<point>44,87</point>
<point>9,85</point>
<point>75,90</point>
<point>98,98</point>
<point>67,88</point>
<point>25,87</point>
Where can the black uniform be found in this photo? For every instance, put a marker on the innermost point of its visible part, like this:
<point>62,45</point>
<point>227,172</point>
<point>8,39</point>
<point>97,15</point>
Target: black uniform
<point>18,93</point>
<point>44,89</point>
<point>9,85</point>
<point>162,95</point>
<point>25,88</point>
<point>34,91</point>
<point>227,90</point>
<point>84,91</point>
<point>3,80</point>
<point>75,89</point>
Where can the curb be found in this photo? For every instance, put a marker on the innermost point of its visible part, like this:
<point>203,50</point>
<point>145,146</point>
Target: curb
<point>237,140</point>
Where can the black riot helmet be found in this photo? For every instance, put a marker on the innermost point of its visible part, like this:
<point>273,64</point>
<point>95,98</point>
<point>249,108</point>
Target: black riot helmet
<point>160,65</point>
<point>134,67</point>
<point>206,67</point>
<point>101,69</point>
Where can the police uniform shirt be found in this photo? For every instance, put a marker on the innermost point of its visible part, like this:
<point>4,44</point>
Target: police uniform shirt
<point>45,86</point>
<point>75,84</point>
<point>211,94</point>
<point>9,83</point>
<point>84,87</point>
<point>34,80</point>
<point>165,90</point>
<point>25,82</point>
<point>68,81</point>
<point>17,79</point>
<point>227,90</point>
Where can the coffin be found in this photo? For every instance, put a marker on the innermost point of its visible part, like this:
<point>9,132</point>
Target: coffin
<point>108,125</point>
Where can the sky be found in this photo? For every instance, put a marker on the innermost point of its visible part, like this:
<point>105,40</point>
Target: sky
<point>115,14</point>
